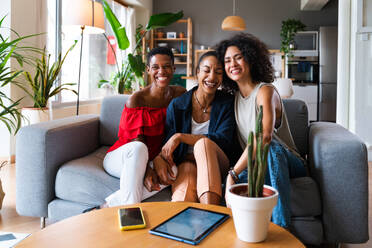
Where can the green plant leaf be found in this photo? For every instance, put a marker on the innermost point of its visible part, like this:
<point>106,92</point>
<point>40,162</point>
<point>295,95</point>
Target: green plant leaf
<point>163,20</point>
<point>117,28</point>
<point>287,33</point>
<point>135,62</point>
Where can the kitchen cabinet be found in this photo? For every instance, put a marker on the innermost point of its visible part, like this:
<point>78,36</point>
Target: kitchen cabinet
<point>308,94</point>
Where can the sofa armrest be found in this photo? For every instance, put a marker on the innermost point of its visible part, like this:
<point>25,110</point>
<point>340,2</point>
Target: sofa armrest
<point>41,149</point>
<point>338,163</point>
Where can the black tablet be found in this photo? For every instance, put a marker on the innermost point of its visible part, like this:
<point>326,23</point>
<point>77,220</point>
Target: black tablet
<point>190,226</point>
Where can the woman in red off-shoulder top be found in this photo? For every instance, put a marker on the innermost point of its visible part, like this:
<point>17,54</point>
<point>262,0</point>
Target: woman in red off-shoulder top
<point>141,132</point>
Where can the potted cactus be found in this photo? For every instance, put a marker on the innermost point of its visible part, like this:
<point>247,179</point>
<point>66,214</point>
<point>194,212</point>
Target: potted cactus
<point>252,203</point>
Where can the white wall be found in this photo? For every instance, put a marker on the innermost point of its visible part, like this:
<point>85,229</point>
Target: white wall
<point>28,17</point>
<point>143,11</point>
<point>4,134</point>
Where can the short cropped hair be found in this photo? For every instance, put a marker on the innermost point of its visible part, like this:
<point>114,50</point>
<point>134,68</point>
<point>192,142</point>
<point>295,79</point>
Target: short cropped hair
<point>160,50</point>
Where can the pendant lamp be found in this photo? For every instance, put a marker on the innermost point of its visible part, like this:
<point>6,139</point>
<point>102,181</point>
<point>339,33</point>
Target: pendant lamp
<point>233,23</point>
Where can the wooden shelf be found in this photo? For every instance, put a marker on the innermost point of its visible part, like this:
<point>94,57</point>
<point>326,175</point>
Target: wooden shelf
<point>187,43</point>
<point>199,53</point>
<point>174,39</point>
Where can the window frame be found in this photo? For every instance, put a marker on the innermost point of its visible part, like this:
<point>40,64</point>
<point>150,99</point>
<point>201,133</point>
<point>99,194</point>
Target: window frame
<point>360,16</point>
<point>57,102</point>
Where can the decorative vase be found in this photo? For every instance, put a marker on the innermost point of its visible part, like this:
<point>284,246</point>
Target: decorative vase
<point>160,34</point>
<point>292,45</point>
<point>35,115</point>
<point>181,35</point>
<point>251,214</point>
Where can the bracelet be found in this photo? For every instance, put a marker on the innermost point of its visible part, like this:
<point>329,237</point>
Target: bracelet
<point>233,175</point>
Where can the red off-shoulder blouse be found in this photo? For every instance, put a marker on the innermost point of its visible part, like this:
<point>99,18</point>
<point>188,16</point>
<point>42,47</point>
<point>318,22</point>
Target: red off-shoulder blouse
<point>145,121</point>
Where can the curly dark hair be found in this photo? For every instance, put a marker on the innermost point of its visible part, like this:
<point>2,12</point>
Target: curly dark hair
<point>255,53</point>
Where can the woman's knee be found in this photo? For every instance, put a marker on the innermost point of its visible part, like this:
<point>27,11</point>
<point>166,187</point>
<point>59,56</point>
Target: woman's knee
<point>203,143</point>
<point>138,149</point>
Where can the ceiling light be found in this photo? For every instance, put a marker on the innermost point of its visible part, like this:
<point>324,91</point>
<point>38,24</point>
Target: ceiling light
<point>233,23</point>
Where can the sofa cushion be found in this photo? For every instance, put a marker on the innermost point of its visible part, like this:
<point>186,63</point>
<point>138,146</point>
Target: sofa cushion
<point>61,209</point>
<point>307,229</point>
<point>75,179</point>
<point>305,197</point>
<point>84,180</point>
<point>297,116</point>
<point>111,110</point>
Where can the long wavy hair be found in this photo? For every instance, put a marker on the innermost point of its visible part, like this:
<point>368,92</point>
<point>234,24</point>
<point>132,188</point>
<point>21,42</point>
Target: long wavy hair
<point>255,53</point>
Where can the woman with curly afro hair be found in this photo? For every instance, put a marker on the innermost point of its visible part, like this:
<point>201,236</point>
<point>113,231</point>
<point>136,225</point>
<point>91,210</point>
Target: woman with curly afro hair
<point>248,75</point>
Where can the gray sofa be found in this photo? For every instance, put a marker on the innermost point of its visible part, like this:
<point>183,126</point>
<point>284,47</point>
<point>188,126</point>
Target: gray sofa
<point>59,172</point>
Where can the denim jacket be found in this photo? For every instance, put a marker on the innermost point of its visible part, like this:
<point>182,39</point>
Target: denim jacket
<point>221,126</point>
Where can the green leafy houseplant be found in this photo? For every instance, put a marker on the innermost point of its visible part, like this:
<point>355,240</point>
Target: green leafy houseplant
<point>135,66</point>
<point>257,168</point>
<point>43,83</point>
<point>133,74</point>
<point>287,33</point>
<point>9,112</point>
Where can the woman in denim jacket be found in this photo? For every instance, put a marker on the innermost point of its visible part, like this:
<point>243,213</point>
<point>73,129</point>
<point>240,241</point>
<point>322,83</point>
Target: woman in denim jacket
<point>200,129</point>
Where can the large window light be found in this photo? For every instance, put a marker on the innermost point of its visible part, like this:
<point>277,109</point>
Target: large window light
<point>97,57</point>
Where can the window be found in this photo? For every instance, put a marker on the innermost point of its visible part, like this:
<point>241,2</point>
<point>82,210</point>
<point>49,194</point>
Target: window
<point>97,60</point>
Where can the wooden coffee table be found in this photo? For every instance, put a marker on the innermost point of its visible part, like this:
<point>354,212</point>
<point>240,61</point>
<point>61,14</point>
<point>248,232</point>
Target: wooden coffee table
<point>100,228</point>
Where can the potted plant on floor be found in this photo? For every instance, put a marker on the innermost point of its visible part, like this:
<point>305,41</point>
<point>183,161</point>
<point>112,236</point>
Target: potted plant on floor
<point>252,203</point>
<point>10,115</point>
<point>134,66</point>
<point>41,87</point>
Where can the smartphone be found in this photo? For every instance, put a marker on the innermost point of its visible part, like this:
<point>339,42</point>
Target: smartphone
<point>131,218</point>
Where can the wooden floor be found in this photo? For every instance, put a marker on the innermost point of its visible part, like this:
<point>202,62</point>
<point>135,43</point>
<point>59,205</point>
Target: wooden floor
<point>10,221</point>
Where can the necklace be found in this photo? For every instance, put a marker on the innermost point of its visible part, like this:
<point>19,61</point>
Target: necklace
<point>204,109</point>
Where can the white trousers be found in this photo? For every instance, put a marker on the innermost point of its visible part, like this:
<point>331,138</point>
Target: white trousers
<point>128,163</point>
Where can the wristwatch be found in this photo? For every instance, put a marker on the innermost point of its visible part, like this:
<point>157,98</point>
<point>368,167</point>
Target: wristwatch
<point>233,175</point>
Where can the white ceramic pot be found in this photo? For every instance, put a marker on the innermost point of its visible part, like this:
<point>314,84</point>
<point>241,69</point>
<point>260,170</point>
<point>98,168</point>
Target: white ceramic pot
<point>252,214</point>
<point>35,115</point>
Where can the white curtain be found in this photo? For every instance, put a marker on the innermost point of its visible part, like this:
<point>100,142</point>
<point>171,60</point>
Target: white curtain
<point>126,16</point>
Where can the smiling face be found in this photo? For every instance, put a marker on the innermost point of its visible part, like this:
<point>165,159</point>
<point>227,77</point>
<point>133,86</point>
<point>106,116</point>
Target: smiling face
<point>235,65</point>
<point>161,70</point>
<point>209,74</point>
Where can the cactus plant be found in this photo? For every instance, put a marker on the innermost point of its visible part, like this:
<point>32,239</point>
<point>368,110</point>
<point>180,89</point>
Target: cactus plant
<point>257,167</point>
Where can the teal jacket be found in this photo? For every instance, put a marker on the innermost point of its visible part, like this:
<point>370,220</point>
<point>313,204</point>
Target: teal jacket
<point>221,126</point>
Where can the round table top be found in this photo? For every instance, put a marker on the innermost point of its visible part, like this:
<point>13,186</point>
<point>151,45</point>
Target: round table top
<point>100,228</point>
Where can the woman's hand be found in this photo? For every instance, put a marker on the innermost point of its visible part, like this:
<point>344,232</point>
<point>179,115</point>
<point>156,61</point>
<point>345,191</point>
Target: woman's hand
<point>151,180</point>
<point>169,147</point>
<point>229,183</point>
<point>163,171</point>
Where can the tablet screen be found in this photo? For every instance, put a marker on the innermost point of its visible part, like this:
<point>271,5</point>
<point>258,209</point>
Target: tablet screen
<point>191,224</point>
